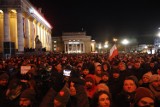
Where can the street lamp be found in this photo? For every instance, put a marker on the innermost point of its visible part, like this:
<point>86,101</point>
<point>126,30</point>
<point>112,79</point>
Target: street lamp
<point>125,42</point>
<point>115,40</point>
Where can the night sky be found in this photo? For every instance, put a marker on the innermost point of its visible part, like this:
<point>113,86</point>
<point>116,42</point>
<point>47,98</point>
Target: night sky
<point>138,20</point>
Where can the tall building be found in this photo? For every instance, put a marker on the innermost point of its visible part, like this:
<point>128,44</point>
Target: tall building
<point>20,23</point>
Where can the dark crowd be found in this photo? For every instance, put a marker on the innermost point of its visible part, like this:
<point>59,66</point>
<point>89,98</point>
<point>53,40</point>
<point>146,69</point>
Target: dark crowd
<point>80,80</point>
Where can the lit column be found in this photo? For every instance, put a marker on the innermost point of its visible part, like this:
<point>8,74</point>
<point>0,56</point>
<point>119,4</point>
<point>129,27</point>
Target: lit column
<point>80,48</point>
<point>7,37</point>
<point>20,31</point>
<point>26,33</point>
<point>83,48</point>
<point>64,47</point>
<point>68,48</point>
<point>76,48</point>
<point>32,35</point>
<point>72,48</point>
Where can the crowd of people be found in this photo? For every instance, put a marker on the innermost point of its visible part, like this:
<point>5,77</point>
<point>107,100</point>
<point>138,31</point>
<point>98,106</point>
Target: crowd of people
<point>128,80</point>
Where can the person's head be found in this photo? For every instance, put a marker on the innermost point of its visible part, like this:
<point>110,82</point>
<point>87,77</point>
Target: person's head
<point>105,66</point>
<point>155,80</point>
<point>121,66</point>
<point>144,97</point>
<point>101,87</point>
<point>62,97</point>
<point>58,66</point>
<point>101,99</point>
<point>146,77</point>
<point>85,71</point>
<point>27,98</point>
<point>72,88</point>
<point>89,81</point>
<point>98,70</point>
<point>137,65</point>
<point>130,84</point>
<point>115,73</point>
<point>105,76</point>
<point>4,79</point>
<point>152,64</point>
<point>76,85</point>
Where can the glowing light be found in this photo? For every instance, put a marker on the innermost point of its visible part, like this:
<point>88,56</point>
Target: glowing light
<point>73,42</point>
<point>33,11</point>
<point>1,11</point>
<point>125,42</point>
<point>115,40</point>
<point>99,46</point>
<point>146,47</point>
<point>14,11</point>
<point>158,34</point>
<point>105,46</point>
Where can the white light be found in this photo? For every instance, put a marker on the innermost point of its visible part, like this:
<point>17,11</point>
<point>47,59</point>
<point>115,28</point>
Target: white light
<point>1,11</point>
<point>73,42</point>
<point>33,11</point>
<point>146,47</point>
<point>158,34</point>
<point>105,46</point>
<point>99,47</point>
<point>125,42</point>
<point>115,40</point>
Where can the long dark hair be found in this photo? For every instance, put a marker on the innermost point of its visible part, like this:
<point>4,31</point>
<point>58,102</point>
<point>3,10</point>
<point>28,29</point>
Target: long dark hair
<point>95,99</point>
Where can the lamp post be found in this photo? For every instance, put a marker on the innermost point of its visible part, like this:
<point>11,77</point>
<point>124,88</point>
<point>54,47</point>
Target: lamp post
<point>125,42</point>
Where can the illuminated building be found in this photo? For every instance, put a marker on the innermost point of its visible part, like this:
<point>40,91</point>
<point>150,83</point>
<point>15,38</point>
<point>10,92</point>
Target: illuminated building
<point>20,23</point>
<point>77,42</point>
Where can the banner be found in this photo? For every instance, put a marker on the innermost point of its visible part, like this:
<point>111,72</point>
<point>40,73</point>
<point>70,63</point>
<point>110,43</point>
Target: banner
<point>113,52</point>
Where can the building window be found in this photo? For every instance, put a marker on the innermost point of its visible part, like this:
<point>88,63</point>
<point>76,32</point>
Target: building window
<point>54,49</point>
<point>54,45</point>
<point>55,41</point>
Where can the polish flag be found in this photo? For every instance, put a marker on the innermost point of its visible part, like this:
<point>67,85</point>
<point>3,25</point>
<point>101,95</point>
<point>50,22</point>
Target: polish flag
<point>113,52</point>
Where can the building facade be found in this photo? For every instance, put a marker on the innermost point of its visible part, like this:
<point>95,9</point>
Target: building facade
<point>20,23</point>
<point>57,44</point>
<point>73,42</point>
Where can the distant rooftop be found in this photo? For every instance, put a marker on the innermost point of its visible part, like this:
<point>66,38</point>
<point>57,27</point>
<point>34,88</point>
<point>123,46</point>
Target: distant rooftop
<point>73,33</point>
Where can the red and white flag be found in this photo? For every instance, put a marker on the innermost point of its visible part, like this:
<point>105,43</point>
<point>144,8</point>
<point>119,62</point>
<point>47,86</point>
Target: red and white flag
<point>113,52</point>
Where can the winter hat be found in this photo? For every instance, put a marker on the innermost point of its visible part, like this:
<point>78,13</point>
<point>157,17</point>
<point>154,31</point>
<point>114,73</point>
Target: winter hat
<point>63,96</point>
<point>4,76</point>
<point>29,94</point>
<point>147,75</point>
<point>102,86</point>
<point>134,78</point>
<point>154,77</point>
<point>142,92</point>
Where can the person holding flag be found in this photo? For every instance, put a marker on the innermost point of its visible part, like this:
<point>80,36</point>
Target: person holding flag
<point>113,52</point>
